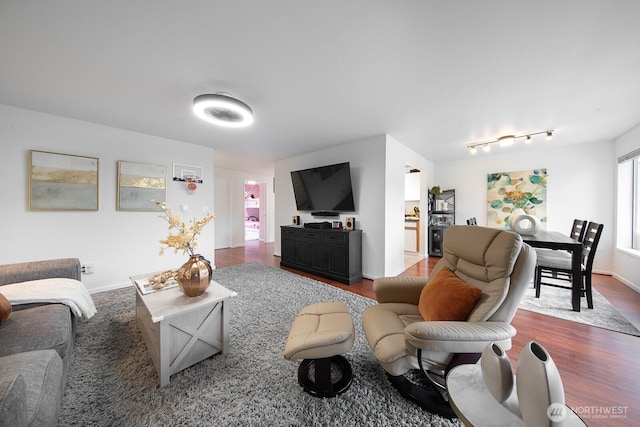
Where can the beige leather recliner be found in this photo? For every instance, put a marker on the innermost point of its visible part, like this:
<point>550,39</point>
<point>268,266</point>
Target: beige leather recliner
<point>497,262</point>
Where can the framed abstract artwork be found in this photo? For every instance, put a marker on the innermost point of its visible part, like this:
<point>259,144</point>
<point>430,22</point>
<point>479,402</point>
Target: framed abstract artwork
<point>507,191</point>
<point>139,184</point>
<point>62,182</point>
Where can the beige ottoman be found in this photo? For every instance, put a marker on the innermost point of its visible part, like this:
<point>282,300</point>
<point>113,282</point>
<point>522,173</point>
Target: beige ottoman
<point>320,335</point>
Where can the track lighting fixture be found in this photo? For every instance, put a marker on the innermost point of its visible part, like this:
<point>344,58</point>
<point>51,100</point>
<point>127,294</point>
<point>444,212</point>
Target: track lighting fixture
<point>507,140</point>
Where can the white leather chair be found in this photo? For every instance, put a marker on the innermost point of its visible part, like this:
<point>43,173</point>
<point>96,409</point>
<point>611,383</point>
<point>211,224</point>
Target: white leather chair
<point>416,353</point>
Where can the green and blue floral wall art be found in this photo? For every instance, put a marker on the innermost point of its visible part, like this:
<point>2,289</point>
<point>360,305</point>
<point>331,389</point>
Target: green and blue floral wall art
<point>507,191</point>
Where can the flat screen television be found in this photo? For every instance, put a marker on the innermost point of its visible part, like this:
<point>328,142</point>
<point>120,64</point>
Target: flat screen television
<point>324,190</point>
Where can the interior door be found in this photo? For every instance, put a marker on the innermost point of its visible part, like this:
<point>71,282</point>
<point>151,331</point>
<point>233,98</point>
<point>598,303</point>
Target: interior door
<point>263,212</point>
<point>222,211</point>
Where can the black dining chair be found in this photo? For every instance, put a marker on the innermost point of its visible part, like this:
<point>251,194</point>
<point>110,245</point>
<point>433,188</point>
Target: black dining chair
<point>558,268</point>
<point>578,229</point>
<point>472,221</point>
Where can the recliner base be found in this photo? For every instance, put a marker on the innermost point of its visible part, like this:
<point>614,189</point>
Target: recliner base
<point>433,395</point>
<point>428,398</point>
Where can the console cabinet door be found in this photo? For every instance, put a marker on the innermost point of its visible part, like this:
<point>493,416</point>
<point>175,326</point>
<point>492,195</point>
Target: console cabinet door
<point>338,253</point>
<point>289,249</point>
<point>338,261</point>
<point>307,251</point>
<point>304,253</point>
<point>320,260</point>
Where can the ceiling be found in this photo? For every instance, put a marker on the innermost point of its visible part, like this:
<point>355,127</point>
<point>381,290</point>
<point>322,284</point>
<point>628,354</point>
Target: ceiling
<point>434,75</point>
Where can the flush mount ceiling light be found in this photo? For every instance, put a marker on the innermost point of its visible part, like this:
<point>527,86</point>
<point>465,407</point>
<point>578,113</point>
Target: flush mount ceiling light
<point>507,140</point>
<point>223,110</point>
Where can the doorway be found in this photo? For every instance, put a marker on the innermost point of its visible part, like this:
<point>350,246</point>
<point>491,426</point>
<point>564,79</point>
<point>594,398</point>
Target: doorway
<point>254,211</point>
<point>413,218</point>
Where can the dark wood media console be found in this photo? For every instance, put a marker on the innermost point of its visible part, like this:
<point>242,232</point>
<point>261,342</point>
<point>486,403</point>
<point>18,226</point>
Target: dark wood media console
<point>334,254</point>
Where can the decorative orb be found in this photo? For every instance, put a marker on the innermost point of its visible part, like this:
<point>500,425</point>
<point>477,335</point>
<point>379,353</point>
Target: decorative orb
<point>527,225</point>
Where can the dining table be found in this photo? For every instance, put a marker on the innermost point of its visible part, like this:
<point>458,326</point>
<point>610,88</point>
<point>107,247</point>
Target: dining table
<point>559,241</point>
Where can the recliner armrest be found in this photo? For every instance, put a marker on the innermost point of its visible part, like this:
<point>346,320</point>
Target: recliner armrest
<point>402,289</point>
<point>458,337</point>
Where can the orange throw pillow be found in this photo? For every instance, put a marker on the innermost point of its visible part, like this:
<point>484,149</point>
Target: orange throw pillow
<point>446,297</point>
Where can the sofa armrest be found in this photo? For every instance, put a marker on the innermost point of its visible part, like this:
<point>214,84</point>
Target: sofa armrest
<point>458,337</point>
<point>13,401</point>
<point>36,270</point>
<point>402,289</point>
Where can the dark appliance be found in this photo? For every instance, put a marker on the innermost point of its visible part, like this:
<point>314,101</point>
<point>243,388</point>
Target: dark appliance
<point>324,190</point>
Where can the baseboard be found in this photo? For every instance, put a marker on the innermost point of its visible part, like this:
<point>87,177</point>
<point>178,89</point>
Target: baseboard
<point>110,287</point>
<point>626,282</point>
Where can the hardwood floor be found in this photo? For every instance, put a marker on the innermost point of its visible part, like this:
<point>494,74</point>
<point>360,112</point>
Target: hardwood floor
<point>600,369</point>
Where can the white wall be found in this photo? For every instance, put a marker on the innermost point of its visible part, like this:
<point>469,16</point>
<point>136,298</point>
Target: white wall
<point>581,185</point>
<point>366,158</point>
<point>397,157</point>
<point>237,212</point>
<point>377,174</point>
<point>626,264</point>
<point>119,243</point>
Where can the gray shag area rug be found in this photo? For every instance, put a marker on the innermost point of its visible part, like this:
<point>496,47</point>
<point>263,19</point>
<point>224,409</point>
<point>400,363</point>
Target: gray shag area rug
<point>112,380</point>
<point>556,302</point>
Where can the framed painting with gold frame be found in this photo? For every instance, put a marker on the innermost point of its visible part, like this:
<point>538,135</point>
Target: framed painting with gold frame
<point>62,182</point>
<point>139,184</point>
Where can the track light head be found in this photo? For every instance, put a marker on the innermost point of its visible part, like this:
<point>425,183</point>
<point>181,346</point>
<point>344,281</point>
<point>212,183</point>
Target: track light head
<point>505,141</point>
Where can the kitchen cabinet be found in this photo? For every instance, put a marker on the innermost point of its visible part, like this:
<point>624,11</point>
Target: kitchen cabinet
<point>412,235</point>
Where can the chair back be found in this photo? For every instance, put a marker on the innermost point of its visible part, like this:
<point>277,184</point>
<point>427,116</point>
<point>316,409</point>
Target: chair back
<point>494,260</point>
<point>472,221</point>
<point>578,229</point>
<point>589,245</point>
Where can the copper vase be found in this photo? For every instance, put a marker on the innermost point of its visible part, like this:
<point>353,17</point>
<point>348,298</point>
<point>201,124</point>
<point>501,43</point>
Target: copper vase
<point>194,276</point>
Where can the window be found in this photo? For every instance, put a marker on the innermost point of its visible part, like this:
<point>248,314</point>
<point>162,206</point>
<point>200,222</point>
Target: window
<point>629,201</point>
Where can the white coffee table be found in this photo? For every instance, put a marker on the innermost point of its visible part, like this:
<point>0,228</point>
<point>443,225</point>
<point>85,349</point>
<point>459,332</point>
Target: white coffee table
<point>179,330</point>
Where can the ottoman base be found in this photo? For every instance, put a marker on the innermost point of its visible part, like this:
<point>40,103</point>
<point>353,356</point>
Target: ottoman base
<point>320,335</point>
<point>321,383</point>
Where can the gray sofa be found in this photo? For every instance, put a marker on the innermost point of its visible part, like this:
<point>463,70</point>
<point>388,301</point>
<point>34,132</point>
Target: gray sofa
<point>36,344</point>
